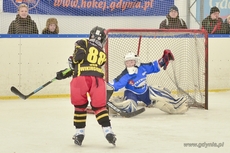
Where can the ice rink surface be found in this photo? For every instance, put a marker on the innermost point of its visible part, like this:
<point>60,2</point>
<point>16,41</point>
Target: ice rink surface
<point>45,126</point>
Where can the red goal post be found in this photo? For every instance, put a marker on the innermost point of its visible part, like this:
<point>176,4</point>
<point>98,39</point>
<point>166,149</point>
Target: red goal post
<point>186,76</point>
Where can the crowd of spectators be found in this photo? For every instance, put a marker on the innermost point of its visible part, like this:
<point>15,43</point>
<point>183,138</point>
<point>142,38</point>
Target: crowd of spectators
<point>23,23</point>
<point>213,23</point>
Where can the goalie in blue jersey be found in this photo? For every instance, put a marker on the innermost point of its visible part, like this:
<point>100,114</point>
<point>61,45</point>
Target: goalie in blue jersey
<point>133,78</point>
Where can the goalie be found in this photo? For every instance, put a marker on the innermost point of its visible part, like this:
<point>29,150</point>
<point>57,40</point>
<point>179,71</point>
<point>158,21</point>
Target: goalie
<point>133,78</point>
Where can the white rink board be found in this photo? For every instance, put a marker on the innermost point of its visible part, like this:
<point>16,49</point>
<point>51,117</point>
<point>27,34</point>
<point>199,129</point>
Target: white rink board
<point>27,63</point>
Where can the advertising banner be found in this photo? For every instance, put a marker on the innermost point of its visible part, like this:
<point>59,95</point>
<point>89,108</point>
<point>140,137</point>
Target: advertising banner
<point>92,7</point>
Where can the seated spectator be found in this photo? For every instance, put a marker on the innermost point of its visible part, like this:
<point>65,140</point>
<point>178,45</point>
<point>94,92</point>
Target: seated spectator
<point>227,25</point>
<point>213,23</point>
<point>51,26</point>
<point>23,24</point>
<point>173,21</point>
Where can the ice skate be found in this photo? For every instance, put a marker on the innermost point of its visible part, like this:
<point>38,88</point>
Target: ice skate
<point>79,136</point>
<point>111,138</point>
<point>78,139</point>
<point>109,135</point>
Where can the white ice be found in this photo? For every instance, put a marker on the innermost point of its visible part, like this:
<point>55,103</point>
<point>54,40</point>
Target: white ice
<point>45,126</point>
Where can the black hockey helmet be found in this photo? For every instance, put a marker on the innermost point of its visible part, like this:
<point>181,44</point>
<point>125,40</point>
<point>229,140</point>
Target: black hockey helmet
<point>98,34</point>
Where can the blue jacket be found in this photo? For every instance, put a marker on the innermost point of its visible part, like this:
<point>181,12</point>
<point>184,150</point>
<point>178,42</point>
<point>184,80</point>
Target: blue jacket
<point>135,82</point>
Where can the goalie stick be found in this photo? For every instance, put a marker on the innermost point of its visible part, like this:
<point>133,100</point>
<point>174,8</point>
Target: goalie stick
<point>125,114</point>
<point>17,92</point>
<point>113,107</point>
<point>117,110</point>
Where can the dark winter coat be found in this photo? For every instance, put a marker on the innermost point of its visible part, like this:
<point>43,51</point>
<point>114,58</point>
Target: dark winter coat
<point>23,26</point>
<point>46,31</point>
<point>173,23</point>
<point>48,23</point>
<point>227,26</point>
<point>213,26</point>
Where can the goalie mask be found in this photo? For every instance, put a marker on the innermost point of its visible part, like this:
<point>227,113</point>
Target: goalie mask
<point>98,36</point>
<point>131,62</point>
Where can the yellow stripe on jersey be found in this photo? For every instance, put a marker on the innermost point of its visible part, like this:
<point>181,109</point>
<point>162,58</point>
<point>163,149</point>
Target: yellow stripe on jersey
<point>90,68</point>
<point>86,42</point>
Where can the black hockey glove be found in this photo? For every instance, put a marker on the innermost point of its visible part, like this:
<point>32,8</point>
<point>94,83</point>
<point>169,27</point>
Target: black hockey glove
<point>164,60</point>
<point>71,64</point>
<point>63,74</point>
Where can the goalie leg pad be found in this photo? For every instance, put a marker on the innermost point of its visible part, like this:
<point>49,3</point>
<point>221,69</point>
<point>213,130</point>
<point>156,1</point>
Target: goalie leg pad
<point>170,109</point>
<point>182,109</point>
<point>165,107</point>
<point>126,106</point>
<point>159,93</point>
<point>166,102</point>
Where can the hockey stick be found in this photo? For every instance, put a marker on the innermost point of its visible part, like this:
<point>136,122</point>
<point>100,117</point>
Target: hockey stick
<point>117,110</point>
<point>17,92</point>
<point>125,114</point>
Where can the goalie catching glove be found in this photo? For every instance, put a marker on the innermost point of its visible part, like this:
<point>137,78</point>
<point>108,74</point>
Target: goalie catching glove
<point>164,60</point>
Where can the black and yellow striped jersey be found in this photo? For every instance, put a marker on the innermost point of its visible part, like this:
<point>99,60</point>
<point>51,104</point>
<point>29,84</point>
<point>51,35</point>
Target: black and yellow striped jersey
<point>88,58</point>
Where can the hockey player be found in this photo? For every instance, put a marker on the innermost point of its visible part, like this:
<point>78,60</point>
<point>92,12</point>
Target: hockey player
<point>86,62</point>
<point>133,78</point>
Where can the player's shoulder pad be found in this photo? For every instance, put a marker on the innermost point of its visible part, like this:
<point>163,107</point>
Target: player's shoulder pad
<point>82,43</point>
<point>123,73</point>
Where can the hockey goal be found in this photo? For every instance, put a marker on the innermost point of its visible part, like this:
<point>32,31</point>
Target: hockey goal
<point>186,76</point>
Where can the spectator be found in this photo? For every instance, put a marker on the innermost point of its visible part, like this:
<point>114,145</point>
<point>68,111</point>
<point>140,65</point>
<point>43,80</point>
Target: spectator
<point>51,26</point>
<point>227,25</point>
<point>23,24</point>
<point>213,23</point>
<point>173,21</point>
